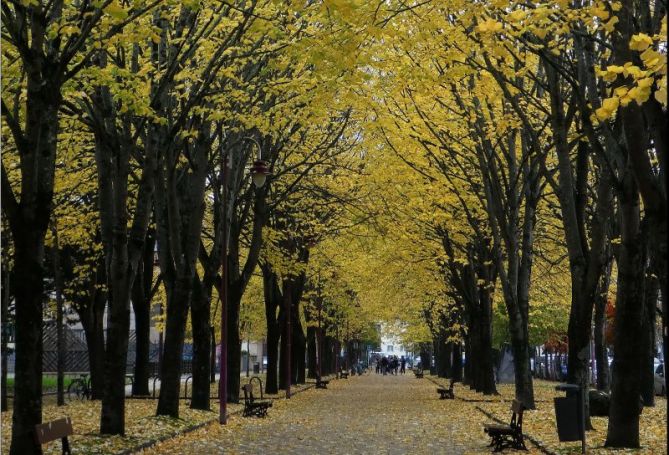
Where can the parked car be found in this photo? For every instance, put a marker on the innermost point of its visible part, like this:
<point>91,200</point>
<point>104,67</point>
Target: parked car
<point>660,387</point>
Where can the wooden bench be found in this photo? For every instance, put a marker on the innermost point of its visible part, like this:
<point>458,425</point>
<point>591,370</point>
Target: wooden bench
<point>508,435</point>
<point>343,374</point>
<point>418,373</point>
<point>320,384</point>
<point>253,406</point>
<point>446,394</point>
<point>57,429</point>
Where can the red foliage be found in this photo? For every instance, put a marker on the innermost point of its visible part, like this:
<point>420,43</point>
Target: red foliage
<point>557,343</point>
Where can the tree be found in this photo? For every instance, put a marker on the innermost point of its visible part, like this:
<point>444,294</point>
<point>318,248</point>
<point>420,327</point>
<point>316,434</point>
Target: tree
<point>58,46</point>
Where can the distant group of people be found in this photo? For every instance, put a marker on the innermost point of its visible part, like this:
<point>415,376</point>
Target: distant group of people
<point>391,365</point>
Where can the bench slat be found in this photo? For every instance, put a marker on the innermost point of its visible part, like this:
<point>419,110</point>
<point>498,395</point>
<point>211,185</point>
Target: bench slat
<point>50,431</point>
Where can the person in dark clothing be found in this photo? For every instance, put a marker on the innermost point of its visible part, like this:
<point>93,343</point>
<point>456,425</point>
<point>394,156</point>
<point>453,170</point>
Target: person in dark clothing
<point>384,365</point>
<point>403,365</point>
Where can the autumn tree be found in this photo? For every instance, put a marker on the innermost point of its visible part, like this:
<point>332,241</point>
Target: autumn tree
<point>49,43</point>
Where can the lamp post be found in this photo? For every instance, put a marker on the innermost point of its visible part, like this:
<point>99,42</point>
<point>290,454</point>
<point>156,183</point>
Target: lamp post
<point>259,173</point>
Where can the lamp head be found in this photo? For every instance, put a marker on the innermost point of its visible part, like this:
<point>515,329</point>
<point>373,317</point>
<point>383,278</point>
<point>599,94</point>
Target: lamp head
<point>259,173</point>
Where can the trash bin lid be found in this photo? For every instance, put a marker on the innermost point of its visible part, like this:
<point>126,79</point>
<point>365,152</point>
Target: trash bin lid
<point>568,387</point>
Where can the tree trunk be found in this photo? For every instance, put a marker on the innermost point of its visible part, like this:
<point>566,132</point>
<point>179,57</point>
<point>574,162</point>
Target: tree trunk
<point>299,343</point>
<point>29,223</point>
<point>200,320</point>
<point>521,364</point>
<point>272,295</point>
<point>425,359</point>
<point>327,355</point>
<point>140,385</point>
<point>467,380</point>
<point>312,355</point>
<point>586,261</point>
<point>273,336</point>
<point>178,297</point>
<point>648,344</point>
<point>27,406</point>
<point>623,428</point>
<point>448,359</point>
<point>659,259</point>
<point>440,354</point>
<point>123,247</point>
<point>212,363</point>
<point>601,352</point>
<point>4,317</point>
<point>283,354</point>
<point>112,417</point>
<point>234,344</point>
<point>457,362</point>
<point>485,357</point>
<point>60,330</point>
<point>141,304</point>
<point>92,321</point>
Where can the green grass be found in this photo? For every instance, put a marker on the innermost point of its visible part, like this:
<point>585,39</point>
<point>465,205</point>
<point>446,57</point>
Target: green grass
<point>49,382</point>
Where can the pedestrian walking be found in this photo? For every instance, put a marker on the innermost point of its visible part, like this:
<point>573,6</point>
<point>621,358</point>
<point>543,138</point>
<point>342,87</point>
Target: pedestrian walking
<point>403,365</point>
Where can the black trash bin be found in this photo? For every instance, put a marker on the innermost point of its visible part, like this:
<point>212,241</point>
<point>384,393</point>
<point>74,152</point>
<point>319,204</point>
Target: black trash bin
<point>256,368</point>
<point>569,414</point>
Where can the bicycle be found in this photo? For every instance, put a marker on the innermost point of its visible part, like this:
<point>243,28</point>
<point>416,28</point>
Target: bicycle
<point>80,388</point>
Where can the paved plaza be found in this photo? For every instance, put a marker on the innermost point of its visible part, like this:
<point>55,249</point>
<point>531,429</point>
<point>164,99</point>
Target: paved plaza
<point>369,414</point>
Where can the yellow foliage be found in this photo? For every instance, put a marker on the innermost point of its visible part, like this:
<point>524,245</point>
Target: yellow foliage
<point>640,42</point>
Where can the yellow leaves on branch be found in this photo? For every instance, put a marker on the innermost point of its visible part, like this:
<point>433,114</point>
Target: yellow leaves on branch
<point>653,73</point>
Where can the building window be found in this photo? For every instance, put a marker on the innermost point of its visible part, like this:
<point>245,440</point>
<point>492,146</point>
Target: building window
<point>390,348</point>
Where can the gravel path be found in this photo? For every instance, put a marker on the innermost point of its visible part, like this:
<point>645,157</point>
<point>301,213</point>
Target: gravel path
<point>370,414</point>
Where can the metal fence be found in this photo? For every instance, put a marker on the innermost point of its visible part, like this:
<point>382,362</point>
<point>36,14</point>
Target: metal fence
<point>76,351</point>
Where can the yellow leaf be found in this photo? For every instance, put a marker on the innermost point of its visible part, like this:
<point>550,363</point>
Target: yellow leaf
<point>489,25</point>
<point>516,16</point>
<point>610,104</point>
<point>116,11</point>
<point>639,94</point>
<point>640,42</point>
<point>609,107</point>
<point>610,24</point>
<point>620,91</point>
<point>615,69</point>
<point>646,82</point>
<point>540,32</point>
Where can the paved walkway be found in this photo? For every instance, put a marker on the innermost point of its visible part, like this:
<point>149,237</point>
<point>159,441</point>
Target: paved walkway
<point>370,414</point>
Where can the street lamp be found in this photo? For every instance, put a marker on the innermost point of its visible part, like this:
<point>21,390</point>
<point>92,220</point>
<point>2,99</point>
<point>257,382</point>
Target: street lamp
<point>259,169</point>
<point>259,172</point>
